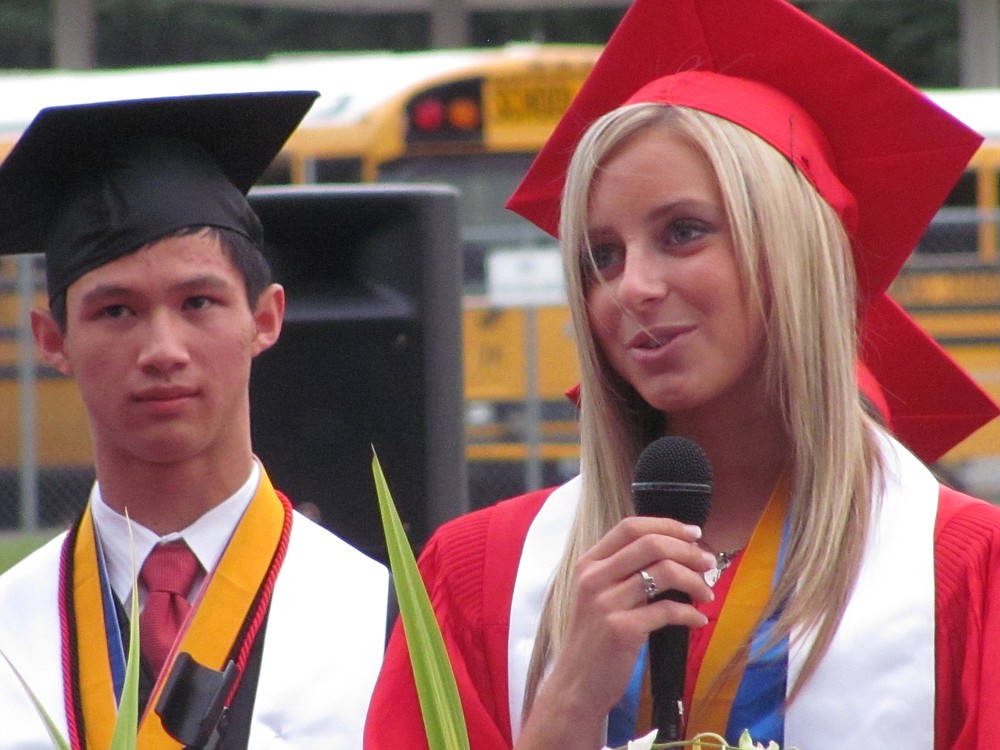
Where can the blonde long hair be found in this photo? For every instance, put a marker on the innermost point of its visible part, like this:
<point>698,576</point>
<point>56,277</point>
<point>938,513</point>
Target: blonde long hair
<point>801,275</point>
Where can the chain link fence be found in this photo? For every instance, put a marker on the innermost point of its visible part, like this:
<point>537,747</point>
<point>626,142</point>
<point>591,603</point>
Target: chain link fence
<point>512,447</point>
<point>45,465</point>
<point>61,491</point>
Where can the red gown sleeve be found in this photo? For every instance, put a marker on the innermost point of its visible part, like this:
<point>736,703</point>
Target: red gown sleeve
<point>469,567</point>
<point>967,580</point>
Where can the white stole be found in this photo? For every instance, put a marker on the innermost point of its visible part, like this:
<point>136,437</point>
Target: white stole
<point>875,685</point>
<point>322,648</point>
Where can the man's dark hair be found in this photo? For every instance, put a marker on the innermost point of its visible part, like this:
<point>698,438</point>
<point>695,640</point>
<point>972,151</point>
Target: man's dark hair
<point>245,254</point>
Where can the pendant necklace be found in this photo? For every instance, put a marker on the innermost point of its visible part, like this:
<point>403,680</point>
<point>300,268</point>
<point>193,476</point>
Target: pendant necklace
<point>722,561</point>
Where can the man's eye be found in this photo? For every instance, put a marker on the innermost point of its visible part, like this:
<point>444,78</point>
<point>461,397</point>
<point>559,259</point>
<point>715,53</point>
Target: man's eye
<point>198,303</point>
<point>115,312</point>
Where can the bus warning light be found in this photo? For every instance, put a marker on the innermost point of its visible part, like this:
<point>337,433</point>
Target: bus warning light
<point>428,114</point>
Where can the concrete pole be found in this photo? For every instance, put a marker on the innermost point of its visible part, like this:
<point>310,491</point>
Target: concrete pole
<point>450,24</point>
<point>27,401</point>
<point>74,24</point>
<point>979,43</point>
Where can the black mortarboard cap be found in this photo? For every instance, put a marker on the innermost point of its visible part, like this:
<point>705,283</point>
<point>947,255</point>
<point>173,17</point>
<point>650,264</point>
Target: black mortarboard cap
<point>89,183</point>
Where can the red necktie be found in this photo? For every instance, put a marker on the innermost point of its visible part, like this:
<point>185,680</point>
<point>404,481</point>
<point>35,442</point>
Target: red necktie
<point>167,574</point>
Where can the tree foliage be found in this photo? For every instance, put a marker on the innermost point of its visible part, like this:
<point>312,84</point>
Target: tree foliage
<point>916,38</point>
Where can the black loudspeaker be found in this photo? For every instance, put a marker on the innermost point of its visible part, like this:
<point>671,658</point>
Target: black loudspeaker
<point>369,356</point>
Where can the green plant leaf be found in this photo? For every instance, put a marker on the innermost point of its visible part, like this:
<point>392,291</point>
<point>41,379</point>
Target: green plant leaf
<point>57,739</point>
<point>126,728</point>
<point>437,690</point>
<point>125,732</point>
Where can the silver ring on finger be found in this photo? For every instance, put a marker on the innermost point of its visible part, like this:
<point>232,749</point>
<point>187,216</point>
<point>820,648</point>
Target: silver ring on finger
<point>648,585</point>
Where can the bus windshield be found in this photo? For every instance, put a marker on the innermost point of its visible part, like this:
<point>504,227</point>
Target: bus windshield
<point>483,181</point>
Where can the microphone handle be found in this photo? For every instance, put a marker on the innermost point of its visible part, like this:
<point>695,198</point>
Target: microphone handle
<point>668,652</point>
<point>668,649</point>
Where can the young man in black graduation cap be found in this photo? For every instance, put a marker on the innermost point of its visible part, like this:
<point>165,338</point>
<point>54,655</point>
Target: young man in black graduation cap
<point>159,301</point>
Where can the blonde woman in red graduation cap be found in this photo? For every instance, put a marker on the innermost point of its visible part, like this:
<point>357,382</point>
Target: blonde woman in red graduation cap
<point>734,189</point>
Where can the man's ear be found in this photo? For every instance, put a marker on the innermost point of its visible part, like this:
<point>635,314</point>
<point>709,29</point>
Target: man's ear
<point>268,317</point>
<point>50,340</point>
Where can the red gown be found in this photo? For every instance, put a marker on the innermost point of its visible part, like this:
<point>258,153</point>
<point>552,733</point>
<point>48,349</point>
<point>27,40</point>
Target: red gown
<point>470,565</point>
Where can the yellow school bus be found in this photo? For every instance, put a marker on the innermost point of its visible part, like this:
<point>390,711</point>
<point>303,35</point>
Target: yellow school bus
<point>474,119</point>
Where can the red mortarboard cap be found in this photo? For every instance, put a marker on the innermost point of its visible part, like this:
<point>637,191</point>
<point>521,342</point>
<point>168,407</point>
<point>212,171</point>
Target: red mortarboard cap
<point>879,151</point>
<point>932,403</point>
<point>894,151</point>
<point>89,183</point>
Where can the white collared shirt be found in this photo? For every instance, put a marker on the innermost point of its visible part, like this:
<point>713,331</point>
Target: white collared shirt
<point>207,537</point>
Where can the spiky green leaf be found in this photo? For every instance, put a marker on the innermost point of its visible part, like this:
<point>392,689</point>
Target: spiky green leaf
<point>126,728</point>
<point>440,705</point>
<point>57,739</point>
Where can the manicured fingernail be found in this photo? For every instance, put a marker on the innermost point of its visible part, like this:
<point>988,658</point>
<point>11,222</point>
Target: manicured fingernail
<point>693,531</point>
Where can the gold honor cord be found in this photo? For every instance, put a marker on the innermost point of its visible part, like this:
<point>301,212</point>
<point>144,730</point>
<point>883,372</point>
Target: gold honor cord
<point>748,594</point>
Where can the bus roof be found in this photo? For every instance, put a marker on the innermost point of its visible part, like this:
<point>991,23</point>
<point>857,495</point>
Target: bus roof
<point>350,84</point>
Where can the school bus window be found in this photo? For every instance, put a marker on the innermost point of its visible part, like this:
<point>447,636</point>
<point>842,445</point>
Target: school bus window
<point>483,181</point>
<point>278,172</point>
<point>337,170</point>
<point>955,232</point>
<point>964,192</point>
<point>964,229</point>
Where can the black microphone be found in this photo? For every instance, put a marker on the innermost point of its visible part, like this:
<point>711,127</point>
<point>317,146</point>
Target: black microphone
<point>673,479</point>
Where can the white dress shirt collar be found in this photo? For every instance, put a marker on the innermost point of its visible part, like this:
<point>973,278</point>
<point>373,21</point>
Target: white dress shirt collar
<point>207,537</point>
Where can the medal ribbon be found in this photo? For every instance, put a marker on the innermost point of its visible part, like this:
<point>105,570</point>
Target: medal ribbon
<point>222,623</point>
<point>713,699</point>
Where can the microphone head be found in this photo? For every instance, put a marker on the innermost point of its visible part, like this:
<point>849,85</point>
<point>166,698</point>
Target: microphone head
<point>673,479</point>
